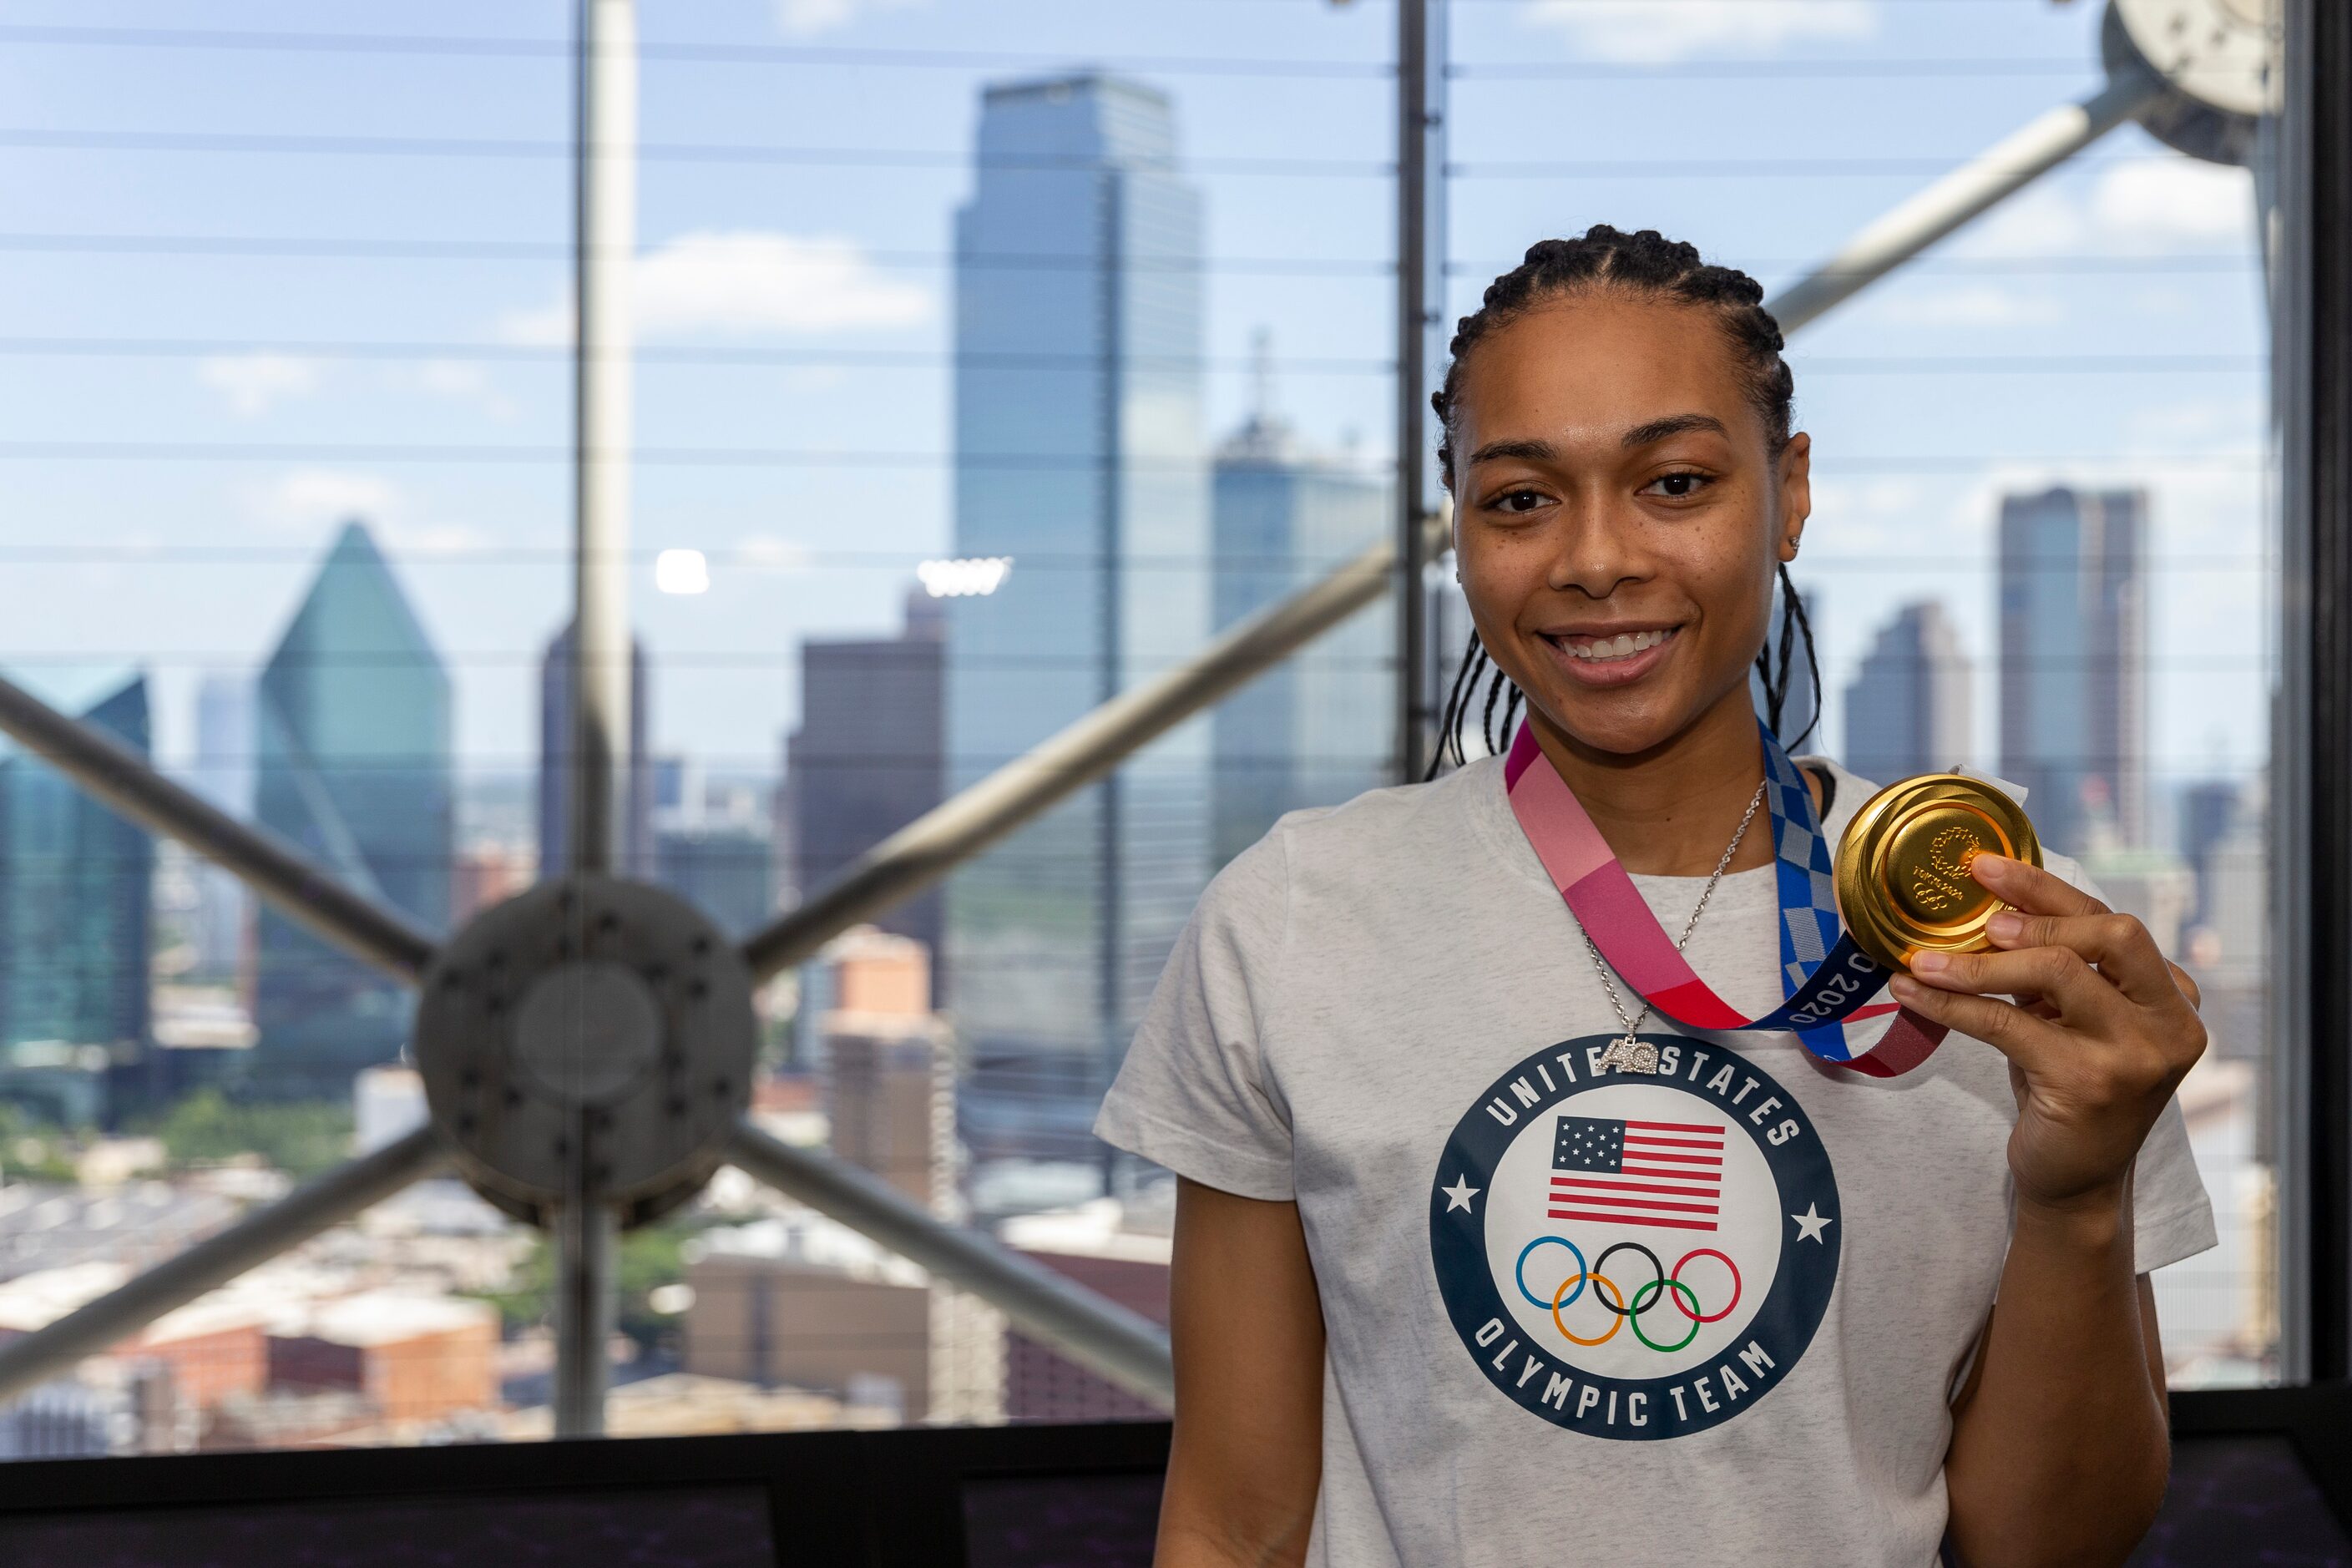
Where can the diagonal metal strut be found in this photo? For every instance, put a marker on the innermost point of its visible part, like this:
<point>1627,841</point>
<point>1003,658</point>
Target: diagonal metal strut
<point>1123,1346</point>
<point>978,816</point>
<point>181,1278</point>
<point>114,773</point>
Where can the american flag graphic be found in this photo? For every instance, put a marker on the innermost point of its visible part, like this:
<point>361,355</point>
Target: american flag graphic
<point>1667,1173</point>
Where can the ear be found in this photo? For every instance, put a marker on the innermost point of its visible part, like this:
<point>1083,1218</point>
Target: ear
<point>1796,488</point>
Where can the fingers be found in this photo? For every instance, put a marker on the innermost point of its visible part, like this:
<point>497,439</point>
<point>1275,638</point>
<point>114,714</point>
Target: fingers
<point>2054,974</point>
<point>2118,944</point>
<point>2032,888</point>
<point>2030,1043</point>
<point>2188,984</point>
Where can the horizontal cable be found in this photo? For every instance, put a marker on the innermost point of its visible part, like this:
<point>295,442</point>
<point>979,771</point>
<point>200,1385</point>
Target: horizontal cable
<point>650,51</point>
<point>756,558</point>
<point>334,145</point>
<point>298,248</point>
<point>1737,168</point>
<point>1771,69</point>
<point>756,457</point>
<point>921,358</point>
<point>668,353</point>
<point>727,658</point>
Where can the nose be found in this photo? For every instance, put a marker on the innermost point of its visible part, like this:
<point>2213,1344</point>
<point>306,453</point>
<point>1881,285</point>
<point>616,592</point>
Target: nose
<point>1599,549</point>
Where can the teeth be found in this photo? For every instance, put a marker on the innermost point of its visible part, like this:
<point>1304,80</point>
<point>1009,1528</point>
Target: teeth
<point>1624,645</point>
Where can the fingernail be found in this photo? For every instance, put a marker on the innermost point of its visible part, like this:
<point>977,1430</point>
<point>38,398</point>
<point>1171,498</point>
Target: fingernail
<point>1904,988</point>
<point>2007,926</point>
<point>1996,865</point>
<point>1930,962</point>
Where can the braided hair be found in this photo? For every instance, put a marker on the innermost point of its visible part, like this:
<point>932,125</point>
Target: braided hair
<point>1649,264</point>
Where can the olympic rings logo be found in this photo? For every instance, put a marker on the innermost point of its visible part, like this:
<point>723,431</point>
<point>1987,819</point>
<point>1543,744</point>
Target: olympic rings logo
<point>1666,1284</point>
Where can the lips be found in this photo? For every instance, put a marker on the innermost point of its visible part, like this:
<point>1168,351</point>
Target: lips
<point>1604,649</point>
<point>1613,658</point>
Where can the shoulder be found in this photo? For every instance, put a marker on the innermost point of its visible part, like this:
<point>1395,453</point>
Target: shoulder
<point>1381,829</point>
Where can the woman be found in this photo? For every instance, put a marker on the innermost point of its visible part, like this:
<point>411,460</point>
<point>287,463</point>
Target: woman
<point>1424,1307</point>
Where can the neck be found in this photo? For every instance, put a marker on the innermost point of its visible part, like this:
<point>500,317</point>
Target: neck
<point>1669,811</point>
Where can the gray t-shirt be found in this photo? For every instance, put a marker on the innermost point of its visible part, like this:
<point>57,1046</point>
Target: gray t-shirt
<point>1713,1314</point>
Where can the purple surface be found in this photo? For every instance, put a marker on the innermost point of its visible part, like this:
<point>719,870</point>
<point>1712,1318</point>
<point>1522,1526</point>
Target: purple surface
<point>1061,1521</point>
<point>700,1527</point>
<point>2242,1502</point>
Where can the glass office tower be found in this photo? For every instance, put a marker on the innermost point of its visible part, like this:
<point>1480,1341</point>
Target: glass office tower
<point>75,897</point>
<point>1907,710</point>
<point>355,768</point>
<point>2074,654</point>
<point>1079,457</point>
<point>1316,730</point>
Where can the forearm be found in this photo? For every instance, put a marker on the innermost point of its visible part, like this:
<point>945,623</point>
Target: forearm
<point>2059,1448</point>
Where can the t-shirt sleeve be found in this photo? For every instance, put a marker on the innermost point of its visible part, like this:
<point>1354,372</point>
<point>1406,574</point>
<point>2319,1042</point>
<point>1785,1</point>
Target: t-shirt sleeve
<point>1193,1093</point>
<point>2172,1218</point>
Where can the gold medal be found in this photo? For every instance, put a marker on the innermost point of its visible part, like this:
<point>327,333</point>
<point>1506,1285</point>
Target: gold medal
<point>1903,882</point>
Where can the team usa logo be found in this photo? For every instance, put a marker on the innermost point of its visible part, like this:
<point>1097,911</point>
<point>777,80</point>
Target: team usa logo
<point>1635,1257</point>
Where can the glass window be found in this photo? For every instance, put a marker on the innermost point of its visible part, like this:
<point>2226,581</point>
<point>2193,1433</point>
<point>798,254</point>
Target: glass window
<point>989,361</point>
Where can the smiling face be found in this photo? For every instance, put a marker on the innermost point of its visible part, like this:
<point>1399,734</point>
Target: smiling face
<point>1620,516</point>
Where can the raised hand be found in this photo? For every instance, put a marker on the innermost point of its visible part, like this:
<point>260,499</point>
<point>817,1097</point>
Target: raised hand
<point>2097,1026</point>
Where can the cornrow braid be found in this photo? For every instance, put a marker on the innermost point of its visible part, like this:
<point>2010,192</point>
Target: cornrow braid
<point>1649,264</point>
<point>1644,263</point>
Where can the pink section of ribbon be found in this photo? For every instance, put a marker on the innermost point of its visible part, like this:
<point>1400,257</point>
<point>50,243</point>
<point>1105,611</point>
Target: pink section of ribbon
<point>1605,903</point>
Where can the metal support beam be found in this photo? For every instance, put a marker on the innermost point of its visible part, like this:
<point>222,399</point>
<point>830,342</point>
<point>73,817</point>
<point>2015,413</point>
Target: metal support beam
<point>601,765</point>
<point>959,828</point>
<point>1105,1337</point>
<point>127,783</point>
<point>584,1284</point>
<point>1420,344</point>
<point>2311,774</point>
<point>177,1280</point>
<point>2027,153</point>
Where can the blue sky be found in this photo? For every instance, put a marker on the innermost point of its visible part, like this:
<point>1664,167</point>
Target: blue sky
<point>427,390</point>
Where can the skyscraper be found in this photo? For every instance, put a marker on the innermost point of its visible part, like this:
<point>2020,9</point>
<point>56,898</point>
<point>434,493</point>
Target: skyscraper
<point>2074,720</point>
<point>75,895</point>
<point>223,776</point>
<point>1315,730</point>
<point>1080,458</point>
<point>869,757</point>
<point>1908,710</point>
<point>354,729</point>
<point>636,847</point>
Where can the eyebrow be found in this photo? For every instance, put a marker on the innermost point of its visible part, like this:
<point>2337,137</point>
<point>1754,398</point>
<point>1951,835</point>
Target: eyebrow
<point>1538,451</point>
<point>1673,425</point>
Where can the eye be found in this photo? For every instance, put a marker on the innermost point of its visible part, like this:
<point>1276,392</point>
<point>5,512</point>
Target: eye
<point>1678,486</point>
<point>1518,501</point>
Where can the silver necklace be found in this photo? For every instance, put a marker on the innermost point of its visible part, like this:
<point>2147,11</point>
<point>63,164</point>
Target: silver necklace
<point>1627,1053</point>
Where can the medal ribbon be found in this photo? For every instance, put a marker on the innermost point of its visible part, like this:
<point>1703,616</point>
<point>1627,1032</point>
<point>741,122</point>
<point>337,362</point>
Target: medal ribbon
<point>1825,978</point>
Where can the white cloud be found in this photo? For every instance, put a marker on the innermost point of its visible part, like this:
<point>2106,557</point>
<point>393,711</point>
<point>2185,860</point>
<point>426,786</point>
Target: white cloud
<point>1969,305</point>
<point>2179,200</point>
<point>806,18</point>
<point>747,281</point>
<point>252,381</point>
<point>307,499</point>
<point>2146,207</point>
<point>1647,32</point>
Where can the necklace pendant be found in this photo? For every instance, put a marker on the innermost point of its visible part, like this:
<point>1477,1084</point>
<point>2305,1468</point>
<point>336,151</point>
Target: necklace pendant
<point>1631,1055</point>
